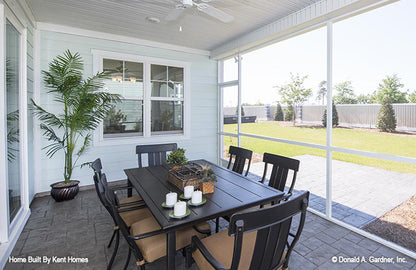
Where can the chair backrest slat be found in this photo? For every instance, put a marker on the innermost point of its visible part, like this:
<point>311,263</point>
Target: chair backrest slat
<point>156,153</point>
<point>240,156</point>
<point>280,171</point>
<point>273,226</point>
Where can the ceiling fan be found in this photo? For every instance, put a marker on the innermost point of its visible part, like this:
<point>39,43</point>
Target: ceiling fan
<point>201,5</point>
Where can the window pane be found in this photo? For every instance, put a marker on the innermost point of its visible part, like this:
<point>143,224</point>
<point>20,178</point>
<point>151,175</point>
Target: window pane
<point>286,98</point>
<point>167,116</point>
<point>126,78</point>
<point>387,75</point>
<point>230,103</point>
<point>167,86</point>
<point>125,118</point>
<point>375,195</point>
<point>159,73</point>
<point>230,70</point>
<point>12,99</point>
<point>175,74</point>
<point>227,142</point>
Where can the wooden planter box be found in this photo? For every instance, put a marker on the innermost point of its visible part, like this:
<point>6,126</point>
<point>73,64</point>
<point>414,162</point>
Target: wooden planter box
<point>207,187</point>
<point>185,176</point>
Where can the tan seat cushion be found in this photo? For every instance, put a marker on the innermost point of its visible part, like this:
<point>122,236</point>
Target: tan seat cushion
<point>154,247</point>
<point>221,246</point>
<point>133,216</point>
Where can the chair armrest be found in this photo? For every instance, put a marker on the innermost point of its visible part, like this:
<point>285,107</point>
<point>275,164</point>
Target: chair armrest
<point>120,187</point>
<point>196,243</point>
<point>127,209</point>
<point>145,235</point>
<point>207,232</point>
<point>132,203</point>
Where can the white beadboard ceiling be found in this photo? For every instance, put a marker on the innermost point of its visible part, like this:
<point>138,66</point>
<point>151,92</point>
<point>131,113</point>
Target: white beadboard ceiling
<point>127,18</point>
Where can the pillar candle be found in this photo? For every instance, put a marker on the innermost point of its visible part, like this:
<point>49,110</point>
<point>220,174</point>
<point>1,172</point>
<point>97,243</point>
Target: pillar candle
<point>179,209</point>
<point>188,190</point>
<point>171,198</point>
<point>197,197</point>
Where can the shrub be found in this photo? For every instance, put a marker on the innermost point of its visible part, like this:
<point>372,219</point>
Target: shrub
<point>242,111</point>
<point>279,113</point>
<point>334,116</point>
<point>386,119</point>
<point>289,113</point>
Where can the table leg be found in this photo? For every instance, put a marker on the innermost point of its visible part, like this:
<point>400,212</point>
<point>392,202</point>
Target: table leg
<point>129,190</point>
<point>171,250</point>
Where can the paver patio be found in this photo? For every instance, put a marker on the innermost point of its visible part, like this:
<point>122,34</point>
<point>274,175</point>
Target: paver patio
<point>82,228</point>
<point>360,193</point>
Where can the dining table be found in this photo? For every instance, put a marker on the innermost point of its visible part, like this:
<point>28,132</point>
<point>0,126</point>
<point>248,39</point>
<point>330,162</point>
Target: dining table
<point>233,193</point>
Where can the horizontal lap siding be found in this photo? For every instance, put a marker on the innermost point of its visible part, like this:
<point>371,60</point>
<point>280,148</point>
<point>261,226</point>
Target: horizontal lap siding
<point>204,99</point>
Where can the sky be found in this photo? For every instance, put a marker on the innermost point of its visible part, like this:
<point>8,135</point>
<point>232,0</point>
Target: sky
<point>366,48</point>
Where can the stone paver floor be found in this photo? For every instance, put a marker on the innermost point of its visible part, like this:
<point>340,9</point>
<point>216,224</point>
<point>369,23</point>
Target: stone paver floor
<point>82,228</point>
<point>360,194</point>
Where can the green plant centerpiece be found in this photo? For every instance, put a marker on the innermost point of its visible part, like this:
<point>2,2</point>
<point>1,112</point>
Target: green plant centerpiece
<point>177,158</point>
<point>208,178</point>
<point>83,108</point>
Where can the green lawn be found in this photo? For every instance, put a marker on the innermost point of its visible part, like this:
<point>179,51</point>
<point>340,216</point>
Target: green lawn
<point>394,144</point>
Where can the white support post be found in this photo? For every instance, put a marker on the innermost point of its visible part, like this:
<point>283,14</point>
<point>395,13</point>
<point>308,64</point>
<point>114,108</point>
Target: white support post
<point>329,123</point>
<point>220,111</point>
<point>36,123</point>
<point>4,207</point>
<point>239,100</point>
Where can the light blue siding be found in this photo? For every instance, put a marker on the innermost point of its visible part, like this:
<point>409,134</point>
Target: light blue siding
<point>204,99</point>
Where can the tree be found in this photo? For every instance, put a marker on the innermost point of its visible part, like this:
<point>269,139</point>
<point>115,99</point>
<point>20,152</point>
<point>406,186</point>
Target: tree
<point>386,119</point>
<point>288,113</point>
<point>334,116</point>
<point>279,113</point>
<point>390,88</point>
<point>364,99</point>
<point>322,92</point>
<point>294,93</point>
<point>412,97</point>
<point>345,93</point>
<point>242,111</point>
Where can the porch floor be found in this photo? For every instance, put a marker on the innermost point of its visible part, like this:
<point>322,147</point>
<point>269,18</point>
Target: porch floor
<point>82,228</point>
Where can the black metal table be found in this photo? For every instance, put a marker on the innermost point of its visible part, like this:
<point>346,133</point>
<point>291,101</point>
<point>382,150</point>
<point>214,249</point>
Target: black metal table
<point>233,192</point>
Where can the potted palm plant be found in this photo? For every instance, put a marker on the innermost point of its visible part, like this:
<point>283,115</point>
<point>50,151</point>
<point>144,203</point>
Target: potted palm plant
<point>83,108</point>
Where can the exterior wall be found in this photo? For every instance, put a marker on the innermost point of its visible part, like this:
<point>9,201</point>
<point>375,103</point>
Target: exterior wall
<point>203,141</point>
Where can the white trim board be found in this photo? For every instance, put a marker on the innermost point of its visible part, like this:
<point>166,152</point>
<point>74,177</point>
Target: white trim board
<point>101,35</point>
<point>313,16</point>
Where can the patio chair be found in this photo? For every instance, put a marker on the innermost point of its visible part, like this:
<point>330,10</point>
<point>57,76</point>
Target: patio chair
<point>280,170</point>
<point>97,166</point>
<point>156,156</point>
<point>240,156</point>
<point>145,238</point>
<point>156,153</point>
<point>256,239</point>
<point>130,213</point>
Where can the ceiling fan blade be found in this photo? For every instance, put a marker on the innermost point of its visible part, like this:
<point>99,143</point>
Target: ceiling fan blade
<point>174,13</point>
<point>215,12</point>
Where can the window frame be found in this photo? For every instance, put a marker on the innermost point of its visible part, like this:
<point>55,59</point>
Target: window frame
<point>147,136</point>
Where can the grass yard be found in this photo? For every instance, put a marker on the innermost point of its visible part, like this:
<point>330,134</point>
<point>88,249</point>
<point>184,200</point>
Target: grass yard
<point>360,139</point>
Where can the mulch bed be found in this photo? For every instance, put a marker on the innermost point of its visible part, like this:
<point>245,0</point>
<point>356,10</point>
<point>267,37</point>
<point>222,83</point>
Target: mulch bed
<point>398,225</point>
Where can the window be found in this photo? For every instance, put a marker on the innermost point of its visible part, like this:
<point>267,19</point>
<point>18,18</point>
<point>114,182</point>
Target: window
<point>153,97</point>
<point>125,79</point>
<point>167,99</point>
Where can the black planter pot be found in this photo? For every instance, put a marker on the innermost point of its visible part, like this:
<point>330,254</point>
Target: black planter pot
<point>64,192</point>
